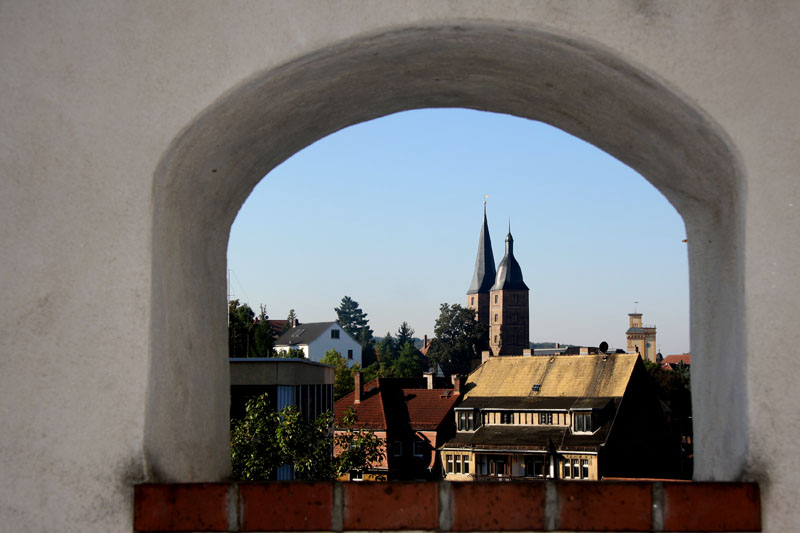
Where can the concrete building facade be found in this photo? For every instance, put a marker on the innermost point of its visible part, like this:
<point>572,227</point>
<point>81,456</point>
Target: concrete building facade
<point>133,132</point>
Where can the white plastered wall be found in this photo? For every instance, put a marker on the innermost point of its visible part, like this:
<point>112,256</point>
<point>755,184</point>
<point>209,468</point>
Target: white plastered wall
<point>132,132</point>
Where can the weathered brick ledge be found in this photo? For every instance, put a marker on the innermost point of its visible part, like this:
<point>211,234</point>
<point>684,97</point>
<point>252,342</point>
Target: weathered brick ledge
<point>443,506</point>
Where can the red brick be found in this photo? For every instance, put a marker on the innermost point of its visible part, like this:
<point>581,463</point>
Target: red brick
<point>391,505</point>
<point>605,506</point>
<point>291,506</point>
<point>497,506</point>
<point>188,507</point>
<point>712,507</point>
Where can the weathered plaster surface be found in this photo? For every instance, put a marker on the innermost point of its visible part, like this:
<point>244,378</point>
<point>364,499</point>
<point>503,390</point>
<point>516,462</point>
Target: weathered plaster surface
<point>132,132</point>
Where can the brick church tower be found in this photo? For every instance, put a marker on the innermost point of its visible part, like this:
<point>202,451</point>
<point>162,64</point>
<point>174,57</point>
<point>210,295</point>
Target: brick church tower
<point>484,276</point>
<point>509,315</point>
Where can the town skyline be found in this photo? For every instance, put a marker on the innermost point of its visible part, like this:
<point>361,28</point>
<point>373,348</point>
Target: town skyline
<point>389,211</point>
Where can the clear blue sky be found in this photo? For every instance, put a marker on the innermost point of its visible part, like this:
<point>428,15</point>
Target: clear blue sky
<point>388,212</point>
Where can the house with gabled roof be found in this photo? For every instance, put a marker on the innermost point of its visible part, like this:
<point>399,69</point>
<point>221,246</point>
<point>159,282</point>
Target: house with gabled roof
<point>560,417</point>
<point>314,339</point>
<point>413,416</point>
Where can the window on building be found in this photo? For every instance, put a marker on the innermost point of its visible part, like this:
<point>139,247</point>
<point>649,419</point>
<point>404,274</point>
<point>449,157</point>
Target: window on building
<point>533,466</point>
<point>349,354</point>
<point>495,301</point>
<point>472,301</point>
<point>567,469</point>
<point>545,418</point>
<point>465,460</point>
<point>448,463</point>
<point>457,464</point>
<point>584,468</point>
<point>495,317</point>
<point>506,418</point>
<point>466,420</point>
<point>334,334</point>
<point>581,422</point>
<point>397,448</point>
<point>419,448</point>
<point>536,387</point>
<point>356,475</point>
<point>495,339</point>
<point>576,472</point>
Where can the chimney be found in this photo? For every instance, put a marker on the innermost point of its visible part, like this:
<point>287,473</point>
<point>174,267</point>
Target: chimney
<point>295,322</point>
<point>558,345</point>
<point>425,341</point>
<point>457,383</point>
<point>428,380</point>
<point>358,389</point>
<point>485,355</point>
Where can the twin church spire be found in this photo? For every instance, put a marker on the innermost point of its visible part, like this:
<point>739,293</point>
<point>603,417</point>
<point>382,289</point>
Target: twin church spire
<point>500,297</point>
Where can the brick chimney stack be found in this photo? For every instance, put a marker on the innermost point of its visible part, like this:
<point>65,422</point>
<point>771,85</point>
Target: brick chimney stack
<point>295,322</point>
<point>458,383</point>
<point>358,389</point>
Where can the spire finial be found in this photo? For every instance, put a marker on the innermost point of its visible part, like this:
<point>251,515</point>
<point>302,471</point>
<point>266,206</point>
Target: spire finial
<point>485,196</point>
<point>509,225</point>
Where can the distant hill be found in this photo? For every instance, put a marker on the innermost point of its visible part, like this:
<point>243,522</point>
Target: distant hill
<point>535,345</point>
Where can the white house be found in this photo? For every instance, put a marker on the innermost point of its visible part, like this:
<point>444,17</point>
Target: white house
<point>316,338</point>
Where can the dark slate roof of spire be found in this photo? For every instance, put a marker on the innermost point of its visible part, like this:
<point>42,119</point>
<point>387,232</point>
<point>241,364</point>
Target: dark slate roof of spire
<point>485,272</point>
<point>509,273</point>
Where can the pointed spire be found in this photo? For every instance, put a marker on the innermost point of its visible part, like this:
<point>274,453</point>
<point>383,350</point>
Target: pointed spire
<point>509,273</point>
<point>485,271</point>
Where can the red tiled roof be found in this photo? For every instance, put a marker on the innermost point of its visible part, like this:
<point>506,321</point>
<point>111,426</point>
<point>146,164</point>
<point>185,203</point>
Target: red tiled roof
<point>428,407</point>
<point>675,359</point>
<point>369,410</point>
<point>387,399</point>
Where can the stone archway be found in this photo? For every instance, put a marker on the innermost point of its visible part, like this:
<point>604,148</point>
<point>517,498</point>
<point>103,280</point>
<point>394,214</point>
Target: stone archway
<point>211,167</point>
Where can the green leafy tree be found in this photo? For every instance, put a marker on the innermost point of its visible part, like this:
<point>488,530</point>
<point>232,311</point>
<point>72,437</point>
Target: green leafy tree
<point>404,334</point>
<point>263,336</point>
<point>263,440</point>
<point>343,381</point>
<point>409,362</point>
<point>355,448</point>
<point>353,320</point>
<point>240,329</point>
<point>290,318</point>
<point>458,338</point>
<point>386,349</point>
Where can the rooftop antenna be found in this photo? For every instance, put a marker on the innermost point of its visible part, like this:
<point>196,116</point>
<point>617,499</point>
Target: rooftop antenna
<point>634,306</point>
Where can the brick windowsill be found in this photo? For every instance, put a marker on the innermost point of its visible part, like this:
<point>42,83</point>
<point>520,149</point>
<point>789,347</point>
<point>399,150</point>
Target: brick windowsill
<point>444,506</point>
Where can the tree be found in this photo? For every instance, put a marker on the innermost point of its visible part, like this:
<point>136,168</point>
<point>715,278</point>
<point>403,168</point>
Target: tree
<point>343,381</point>
<point>458,338</point>
<point>408,363</point>
<point>290,319</point>
<point>264,439</point>
<point>240,329</point>
<point>386,349</point>
<point>263,336</point>
<point>355,448</point>
<point>404,334</point>
<point>353,320</point>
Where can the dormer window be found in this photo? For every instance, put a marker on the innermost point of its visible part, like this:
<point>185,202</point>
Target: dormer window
<point>581,422</point>
<point>466,420</point>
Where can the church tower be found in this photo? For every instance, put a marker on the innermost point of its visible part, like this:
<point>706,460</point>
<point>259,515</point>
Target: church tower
<point>509,316</point>
<point>484,276</point>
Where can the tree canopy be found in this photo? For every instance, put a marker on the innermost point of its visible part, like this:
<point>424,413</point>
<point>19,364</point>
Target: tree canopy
<point>248,335</point>
<point>264,439</point>
<point>343,381</point>
<point>353,320</point>
<point>458,339</point>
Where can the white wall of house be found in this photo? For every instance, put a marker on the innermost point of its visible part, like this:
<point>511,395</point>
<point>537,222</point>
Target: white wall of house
<point>344,344</point>
<point>341,342</point>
